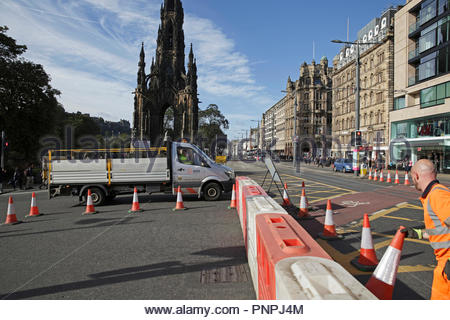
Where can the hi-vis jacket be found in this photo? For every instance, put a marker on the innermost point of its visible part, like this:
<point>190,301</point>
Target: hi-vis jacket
<point>436,205</point>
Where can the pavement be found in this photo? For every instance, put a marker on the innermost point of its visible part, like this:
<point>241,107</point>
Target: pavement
<point>157,254</point>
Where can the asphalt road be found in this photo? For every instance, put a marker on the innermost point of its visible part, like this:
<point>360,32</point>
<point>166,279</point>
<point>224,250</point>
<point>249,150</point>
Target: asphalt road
<point>157,254</point>
<point>388,206</point>
<point>197,253</point>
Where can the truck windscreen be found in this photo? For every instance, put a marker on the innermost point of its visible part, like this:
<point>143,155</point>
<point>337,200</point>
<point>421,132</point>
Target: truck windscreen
<point>204,155</point>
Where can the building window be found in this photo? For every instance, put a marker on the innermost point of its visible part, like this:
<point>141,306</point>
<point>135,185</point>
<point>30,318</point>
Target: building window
<point>428,40</point>
<point>379,97</point>
<point>399,103</point>
<point>427,67</point>
<point>434,95</point>
<point>428,11</point>
<point>381,57</point>
<point>380,77</point>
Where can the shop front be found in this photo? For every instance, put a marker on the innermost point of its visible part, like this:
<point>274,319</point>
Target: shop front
<point>423,138</point>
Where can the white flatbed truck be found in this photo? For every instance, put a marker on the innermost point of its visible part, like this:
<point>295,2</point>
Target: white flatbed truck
<point>111,172</point>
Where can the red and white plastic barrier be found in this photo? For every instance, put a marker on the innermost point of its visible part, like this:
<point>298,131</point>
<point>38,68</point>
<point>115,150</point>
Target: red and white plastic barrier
<point>285,261</point>
<point>257,205</point>
<point>314,278</point>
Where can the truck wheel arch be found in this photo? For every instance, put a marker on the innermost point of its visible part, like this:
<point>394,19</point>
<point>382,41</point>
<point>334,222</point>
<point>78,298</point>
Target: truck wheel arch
<point>84,189</point>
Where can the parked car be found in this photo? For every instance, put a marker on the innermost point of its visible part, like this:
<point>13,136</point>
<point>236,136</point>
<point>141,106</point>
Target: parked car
<point>343,165</point>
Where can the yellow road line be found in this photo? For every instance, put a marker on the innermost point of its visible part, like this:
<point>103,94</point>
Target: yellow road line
<point>320,183</point>
<point>412,206</point>
<point>406,239</point>
<point>399,218</point>
<point>331,197</point>
<point>345,259</point>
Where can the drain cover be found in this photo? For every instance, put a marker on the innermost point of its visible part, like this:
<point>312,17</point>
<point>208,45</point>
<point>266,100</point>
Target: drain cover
<point>225,274</point>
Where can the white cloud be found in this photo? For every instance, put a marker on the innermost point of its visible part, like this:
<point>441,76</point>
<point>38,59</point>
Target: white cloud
<point>91,49</point>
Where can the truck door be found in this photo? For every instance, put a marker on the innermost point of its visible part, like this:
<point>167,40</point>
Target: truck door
<point>187,169</point>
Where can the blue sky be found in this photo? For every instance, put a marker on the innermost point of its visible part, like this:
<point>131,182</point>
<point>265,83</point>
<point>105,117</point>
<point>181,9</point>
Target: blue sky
<point>245,49</point>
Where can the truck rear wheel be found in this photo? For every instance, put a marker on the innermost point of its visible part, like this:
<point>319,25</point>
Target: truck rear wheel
<point>212,191</point>
<point>97,195</point>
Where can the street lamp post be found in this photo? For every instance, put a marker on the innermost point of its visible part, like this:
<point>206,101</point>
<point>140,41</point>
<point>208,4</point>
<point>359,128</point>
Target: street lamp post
<point>357,88</point>
<point>295,159</point>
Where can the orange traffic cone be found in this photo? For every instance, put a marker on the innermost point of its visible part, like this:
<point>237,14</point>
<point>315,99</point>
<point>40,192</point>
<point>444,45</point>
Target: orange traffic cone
<point>381,176</point>
<point>233,198</point>
<point>367,260</point>
<point>303,211</point>
<point>179,205</point>
<point>11,213</point>
<point>329,229</point>
<point>135,206</point>
<point>34,211</point>
<point>89,204</point>
<point>304,189</point>
<point>389,180</point>
<point>396,179</point>
<point>406,179</point>
<point>370,174</point>
<point>286,201</point>
<point>382,282</point>
<point>375,176</point>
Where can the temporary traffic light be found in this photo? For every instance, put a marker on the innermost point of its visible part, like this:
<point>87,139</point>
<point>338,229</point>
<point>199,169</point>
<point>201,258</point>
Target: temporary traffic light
<point>358,138</point>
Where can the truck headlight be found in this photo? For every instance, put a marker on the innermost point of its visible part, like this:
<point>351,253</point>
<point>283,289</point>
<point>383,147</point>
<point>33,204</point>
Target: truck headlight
<point>230,174</point>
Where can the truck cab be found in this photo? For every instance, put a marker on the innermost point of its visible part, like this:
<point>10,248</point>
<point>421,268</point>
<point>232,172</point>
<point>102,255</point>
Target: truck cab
<point>196,173</point>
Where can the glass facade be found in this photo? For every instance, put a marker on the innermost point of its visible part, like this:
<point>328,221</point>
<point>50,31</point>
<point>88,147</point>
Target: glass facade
<point>432,127</point>
<point>429,56</point>
<point>422,127</point>
<point>434,95</point>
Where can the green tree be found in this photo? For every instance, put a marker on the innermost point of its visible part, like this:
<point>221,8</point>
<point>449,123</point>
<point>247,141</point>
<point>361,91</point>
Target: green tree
<point>28,105</point>
<point>211,123</point>
<point>81,125</point>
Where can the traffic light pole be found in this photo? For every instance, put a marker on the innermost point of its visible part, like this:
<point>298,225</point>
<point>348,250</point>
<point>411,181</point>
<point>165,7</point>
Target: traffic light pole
<point>357,106</point>
<point>3,151</point>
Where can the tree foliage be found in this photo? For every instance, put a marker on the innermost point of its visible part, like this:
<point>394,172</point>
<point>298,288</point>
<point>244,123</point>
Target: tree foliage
<point>28,105</point>
<point>211,123</point>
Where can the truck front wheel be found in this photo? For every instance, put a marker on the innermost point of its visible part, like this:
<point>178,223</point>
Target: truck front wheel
<point>212,191</point>
<point>97,195</point>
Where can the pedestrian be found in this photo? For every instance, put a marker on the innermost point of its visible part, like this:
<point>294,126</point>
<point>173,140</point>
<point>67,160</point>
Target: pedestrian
<point>2,178</point>
<point>17,179</point>
<point>436,205</point>
<point>29,177</point>
<point>320,162</point>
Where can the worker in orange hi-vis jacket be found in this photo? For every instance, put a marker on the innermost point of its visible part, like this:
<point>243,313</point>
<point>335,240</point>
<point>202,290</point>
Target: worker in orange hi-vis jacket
<point>436,206</point>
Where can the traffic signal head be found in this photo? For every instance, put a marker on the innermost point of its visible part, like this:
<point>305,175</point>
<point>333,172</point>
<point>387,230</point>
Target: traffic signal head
<point>358,137</point>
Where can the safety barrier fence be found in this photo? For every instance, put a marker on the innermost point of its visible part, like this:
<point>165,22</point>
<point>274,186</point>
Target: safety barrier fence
<point>284,260</point>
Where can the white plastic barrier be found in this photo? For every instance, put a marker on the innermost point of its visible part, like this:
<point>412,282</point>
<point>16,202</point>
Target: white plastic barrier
<point>313,278</point>
<point>240,196</point>
<point>257,205</point>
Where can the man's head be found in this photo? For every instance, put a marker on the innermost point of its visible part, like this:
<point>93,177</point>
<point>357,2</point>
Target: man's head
<point>422,173</point>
